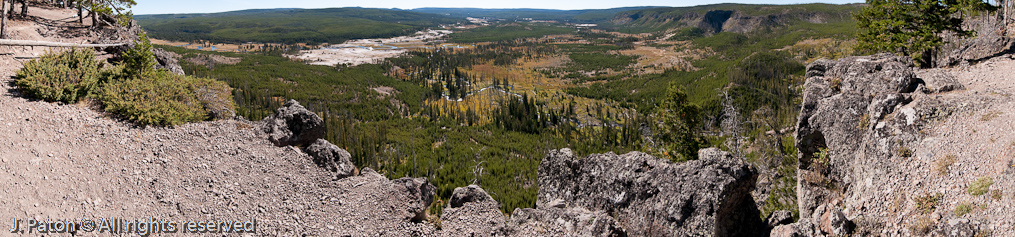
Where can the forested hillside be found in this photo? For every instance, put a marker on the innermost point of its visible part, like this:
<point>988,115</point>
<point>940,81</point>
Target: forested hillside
<point>573,16</point>
<point>740,18</point>
<point>290,26</point>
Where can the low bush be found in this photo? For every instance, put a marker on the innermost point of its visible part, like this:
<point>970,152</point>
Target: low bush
<point>134,89</point>
<point>963,209</point>
<point>980,186</point>
<point>65,76</point>
<point>166,98</point>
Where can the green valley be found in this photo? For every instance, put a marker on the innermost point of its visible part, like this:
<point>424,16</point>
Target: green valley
<point>488,113</point>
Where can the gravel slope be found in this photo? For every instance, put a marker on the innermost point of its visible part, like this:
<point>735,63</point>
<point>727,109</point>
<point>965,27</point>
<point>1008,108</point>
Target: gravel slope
<point>67,161</point>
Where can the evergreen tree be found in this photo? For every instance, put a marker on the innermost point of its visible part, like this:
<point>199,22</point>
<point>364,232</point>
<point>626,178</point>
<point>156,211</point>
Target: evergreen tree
<point>909,27</point>
<point>679,126</point>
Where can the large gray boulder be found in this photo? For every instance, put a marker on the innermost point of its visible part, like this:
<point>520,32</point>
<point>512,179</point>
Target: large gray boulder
<point>167,60</point>
<point>651,196</point>
<point>332,157</point>
<point>472,212</point>
<point>419,194</point>
<point>292,124</point>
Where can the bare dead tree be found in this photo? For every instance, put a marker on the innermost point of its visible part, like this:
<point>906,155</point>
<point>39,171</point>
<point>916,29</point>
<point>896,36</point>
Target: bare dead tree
<point>3,21</point>
<point>732,125</point>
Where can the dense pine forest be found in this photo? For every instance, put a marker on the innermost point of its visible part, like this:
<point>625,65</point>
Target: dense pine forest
<point>487,114</point>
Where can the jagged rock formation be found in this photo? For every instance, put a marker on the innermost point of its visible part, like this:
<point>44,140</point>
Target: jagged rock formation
<point>419,194</point>
<point>988,42</point>
<point>838,97</point>
<point>292,124</point>
<point>331,157</point>
<point>472,212</point>
<point>167,60</point>
<point>651,196</point>
<point>871,149</point>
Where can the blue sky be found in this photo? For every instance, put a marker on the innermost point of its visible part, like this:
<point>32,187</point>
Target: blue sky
<point>207,6</point>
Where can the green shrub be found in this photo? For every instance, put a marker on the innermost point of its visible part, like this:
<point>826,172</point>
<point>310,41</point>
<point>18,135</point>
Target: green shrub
<point>162,99</point>
<point>980,186</point>
<point>963,209</point>
<point>66,76</point>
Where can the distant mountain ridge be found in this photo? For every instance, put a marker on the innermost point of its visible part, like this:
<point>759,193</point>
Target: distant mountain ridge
<point>737,18</point>
<point>334,25</point>
<point>575,16</point>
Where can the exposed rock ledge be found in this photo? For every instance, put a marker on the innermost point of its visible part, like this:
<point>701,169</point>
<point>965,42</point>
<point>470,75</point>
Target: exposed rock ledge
<point>876,136</point>
<point>599,195</point>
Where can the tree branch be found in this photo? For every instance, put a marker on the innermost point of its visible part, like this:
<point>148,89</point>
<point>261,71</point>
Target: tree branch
<point>52,44</point>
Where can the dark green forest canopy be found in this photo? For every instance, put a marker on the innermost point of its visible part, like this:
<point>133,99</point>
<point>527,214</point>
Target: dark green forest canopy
<point>290,26</point>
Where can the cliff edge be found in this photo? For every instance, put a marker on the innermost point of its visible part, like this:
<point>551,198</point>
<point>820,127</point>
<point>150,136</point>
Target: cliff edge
<point>887,149</point>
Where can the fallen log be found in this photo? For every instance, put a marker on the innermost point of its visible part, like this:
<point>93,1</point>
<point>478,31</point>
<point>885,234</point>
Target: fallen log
<point>52,44</point>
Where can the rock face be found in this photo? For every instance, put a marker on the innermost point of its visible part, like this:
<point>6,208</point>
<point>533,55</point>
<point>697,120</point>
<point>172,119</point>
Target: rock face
<point>472,212</point>
<point>859,131</point>
<point>167,60</point>
<point>651,196</point>
<point>842,101</point>
<point>292,124</point>
<point>331,157</point>
<point>419,194</point>
<point>980,48</point>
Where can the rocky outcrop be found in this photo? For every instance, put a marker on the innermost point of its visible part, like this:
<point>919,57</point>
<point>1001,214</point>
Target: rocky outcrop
<point>292,124</point>
<point>860,124</point>
<point>651,196</point>
<point>987,42</point>
<point>803,228</point>
<point>167,60</point>
<point>419,194</point>
<point>130,34</point>
<point>472,212</point>
<point>331,157</point>
<point>842,101</point>
<point>978,49</point>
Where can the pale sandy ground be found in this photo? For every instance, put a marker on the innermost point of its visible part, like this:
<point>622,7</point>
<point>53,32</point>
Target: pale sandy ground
<point>356,52</point>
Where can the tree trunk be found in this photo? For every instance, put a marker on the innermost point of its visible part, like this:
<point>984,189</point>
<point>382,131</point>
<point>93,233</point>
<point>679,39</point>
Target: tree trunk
<point>91,11</point>
<point>3,21</point>
<point>24,8</point>
<point>81,16</point>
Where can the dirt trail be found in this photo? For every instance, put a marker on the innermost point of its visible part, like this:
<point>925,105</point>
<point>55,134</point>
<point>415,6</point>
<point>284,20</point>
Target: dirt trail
<point>982,142</point>
<point>66,161</point>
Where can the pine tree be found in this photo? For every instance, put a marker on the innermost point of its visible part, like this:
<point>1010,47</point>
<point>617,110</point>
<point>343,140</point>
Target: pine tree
<point>909,27</point>
<point>679,126</point>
